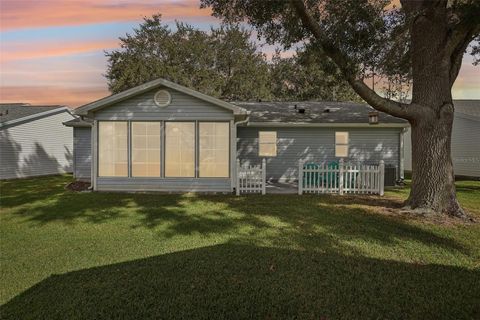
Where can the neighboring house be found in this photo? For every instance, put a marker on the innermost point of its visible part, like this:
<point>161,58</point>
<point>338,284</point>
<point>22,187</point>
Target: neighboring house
<point>161,136</point>
<point>465,140</point>
<point>33,140</point>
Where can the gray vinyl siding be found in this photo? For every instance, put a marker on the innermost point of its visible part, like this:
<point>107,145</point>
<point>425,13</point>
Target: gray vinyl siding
<point>182,107</point>
<point>368,146</point>
<point>465,147</point>
<point>42,146</point>
<point>164,184</point>
<point>82,141</point>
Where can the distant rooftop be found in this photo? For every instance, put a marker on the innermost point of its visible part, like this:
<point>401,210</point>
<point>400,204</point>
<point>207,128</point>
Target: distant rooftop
<point>15,111</point>
<point>315,112</point>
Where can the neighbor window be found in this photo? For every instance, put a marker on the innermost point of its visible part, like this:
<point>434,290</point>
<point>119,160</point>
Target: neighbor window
<point>214,149</point>
<point>179,149</point>
<point>146,149</point>
<point>267,143</point>
<point>341,144</point>
<point>112,149</point>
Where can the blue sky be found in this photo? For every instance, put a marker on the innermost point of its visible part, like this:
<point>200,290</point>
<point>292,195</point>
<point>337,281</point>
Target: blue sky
<point>52,50</point>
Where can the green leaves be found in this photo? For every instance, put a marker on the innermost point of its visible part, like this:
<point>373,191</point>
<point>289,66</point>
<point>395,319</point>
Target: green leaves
<point>223,63</point>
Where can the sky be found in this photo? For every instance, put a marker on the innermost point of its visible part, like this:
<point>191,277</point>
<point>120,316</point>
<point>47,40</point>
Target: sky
<point>52,51</point>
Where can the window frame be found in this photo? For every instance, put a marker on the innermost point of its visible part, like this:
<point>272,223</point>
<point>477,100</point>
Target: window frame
<point>195,151</point>
<point>228,150</point>
<point>271,143</point>
<point>346,144</point>
<point>99,122</point>
<point>161,147</point>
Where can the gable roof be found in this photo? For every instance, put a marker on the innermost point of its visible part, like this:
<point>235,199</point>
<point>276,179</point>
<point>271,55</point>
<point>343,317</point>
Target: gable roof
<point>11,113</point>
<point>317,113</point>
<point>107,101</point>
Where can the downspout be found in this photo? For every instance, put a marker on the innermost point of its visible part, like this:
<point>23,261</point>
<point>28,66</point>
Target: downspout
<point>236,124</point>
<point>402,155</point>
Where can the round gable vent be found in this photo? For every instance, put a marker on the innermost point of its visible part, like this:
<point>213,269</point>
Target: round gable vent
<point>162,98</point>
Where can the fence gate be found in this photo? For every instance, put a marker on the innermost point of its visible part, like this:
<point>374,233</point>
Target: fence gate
<point>251,179</point>
<point>341,178</point>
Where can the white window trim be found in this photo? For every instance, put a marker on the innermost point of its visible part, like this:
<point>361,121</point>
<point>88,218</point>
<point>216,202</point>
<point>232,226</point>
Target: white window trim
<point>260,143</point>
<point>347,144</point>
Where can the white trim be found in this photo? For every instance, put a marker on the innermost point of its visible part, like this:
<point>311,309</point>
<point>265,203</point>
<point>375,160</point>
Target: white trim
<point>402,154</point>
<point>325,125</point>
<point>104,102</point>
<point>35,116</point>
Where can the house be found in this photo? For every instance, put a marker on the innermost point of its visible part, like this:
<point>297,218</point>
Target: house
<point>465,145</point>
<point>33,140</point>
<point>161,136</point>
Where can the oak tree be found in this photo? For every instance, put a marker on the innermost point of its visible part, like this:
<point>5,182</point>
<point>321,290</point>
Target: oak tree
<point>421,40</point>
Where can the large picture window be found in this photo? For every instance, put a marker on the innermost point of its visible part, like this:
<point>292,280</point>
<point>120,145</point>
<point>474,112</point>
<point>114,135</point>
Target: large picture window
<point>179,149</point>
<point>267,143</point>
<point>341,144</point>
<point>214,150</point>
<point>112,149</point>
<point>146,149</point>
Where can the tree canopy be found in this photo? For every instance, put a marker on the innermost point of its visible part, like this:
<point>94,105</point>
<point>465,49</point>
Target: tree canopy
<point>224,62</point>
<point>417,41</point>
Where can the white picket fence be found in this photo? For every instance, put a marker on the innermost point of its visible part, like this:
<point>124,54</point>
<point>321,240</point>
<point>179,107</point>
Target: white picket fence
<point>251,179</point>
<point>359,179</point>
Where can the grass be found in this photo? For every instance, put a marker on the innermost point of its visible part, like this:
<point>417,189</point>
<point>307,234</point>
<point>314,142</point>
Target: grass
<point>68,255</point>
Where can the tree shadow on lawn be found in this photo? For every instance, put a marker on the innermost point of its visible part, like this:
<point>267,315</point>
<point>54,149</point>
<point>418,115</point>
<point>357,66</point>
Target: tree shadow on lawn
<point>317,222</point>
<point>236,280</point>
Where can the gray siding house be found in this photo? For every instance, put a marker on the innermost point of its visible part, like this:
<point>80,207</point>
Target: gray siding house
<point>33,140</point>
<point>465,144</point>
<point>161,136</point>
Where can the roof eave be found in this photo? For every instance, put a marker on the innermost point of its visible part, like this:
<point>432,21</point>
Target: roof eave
<point>326,125</point>
<point>107,101</point>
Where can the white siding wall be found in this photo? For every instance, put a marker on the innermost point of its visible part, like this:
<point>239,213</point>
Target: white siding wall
<point>465,147</point>
<point>39,147</point>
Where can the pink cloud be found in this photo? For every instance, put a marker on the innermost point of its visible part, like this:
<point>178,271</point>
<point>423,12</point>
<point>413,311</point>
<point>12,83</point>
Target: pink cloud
<point>72,97</point>
<point>47,49</point>
<point>18,14</point>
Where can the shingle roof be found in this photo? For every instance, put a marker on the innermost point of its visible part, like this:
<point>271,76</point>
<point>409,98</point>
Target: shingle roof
<point>315,112</point>
<point>15,111</point>
<point>79,122</point>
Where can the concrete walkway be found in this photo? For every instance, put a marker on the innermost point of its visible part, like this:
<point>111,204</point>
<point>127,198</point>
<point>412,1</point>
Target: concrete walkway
<point>282,187</point>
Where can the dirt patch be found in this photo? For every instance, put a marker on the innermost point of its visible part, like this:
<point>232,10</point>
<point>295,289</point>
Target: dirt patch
<point>394,207</point>
<point>78,186</point>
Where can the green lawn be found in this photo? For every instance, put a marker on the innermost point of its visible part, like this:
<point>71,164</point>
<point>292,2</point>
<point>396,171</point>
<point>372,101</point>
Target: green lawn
<point>68,255</point>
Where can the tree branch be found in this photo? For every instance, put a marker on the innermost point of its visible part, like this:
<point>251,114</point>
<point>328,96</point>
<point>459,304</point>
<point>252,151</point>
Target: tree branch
<point>396,109</point>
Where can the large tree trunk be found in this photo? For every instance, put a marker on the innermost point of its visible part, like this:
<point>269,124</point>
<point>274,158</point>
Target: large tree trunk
<point>436,49</point>
<point>433,180</point>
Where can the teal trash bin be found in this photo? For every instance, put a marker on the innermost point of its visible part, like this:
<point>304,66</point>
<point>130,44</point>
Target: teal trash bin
<point>312,178</point>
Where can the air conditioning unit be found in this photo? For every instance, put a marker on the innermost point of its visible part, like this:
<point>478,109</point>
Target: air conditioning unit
<point>390,176</point>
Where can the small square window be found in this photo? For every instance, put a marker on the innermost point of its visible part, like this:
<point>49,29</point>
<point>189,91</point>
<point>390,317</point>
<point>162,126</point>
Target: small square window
<point>267,143</point>
<point>341,144</point>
